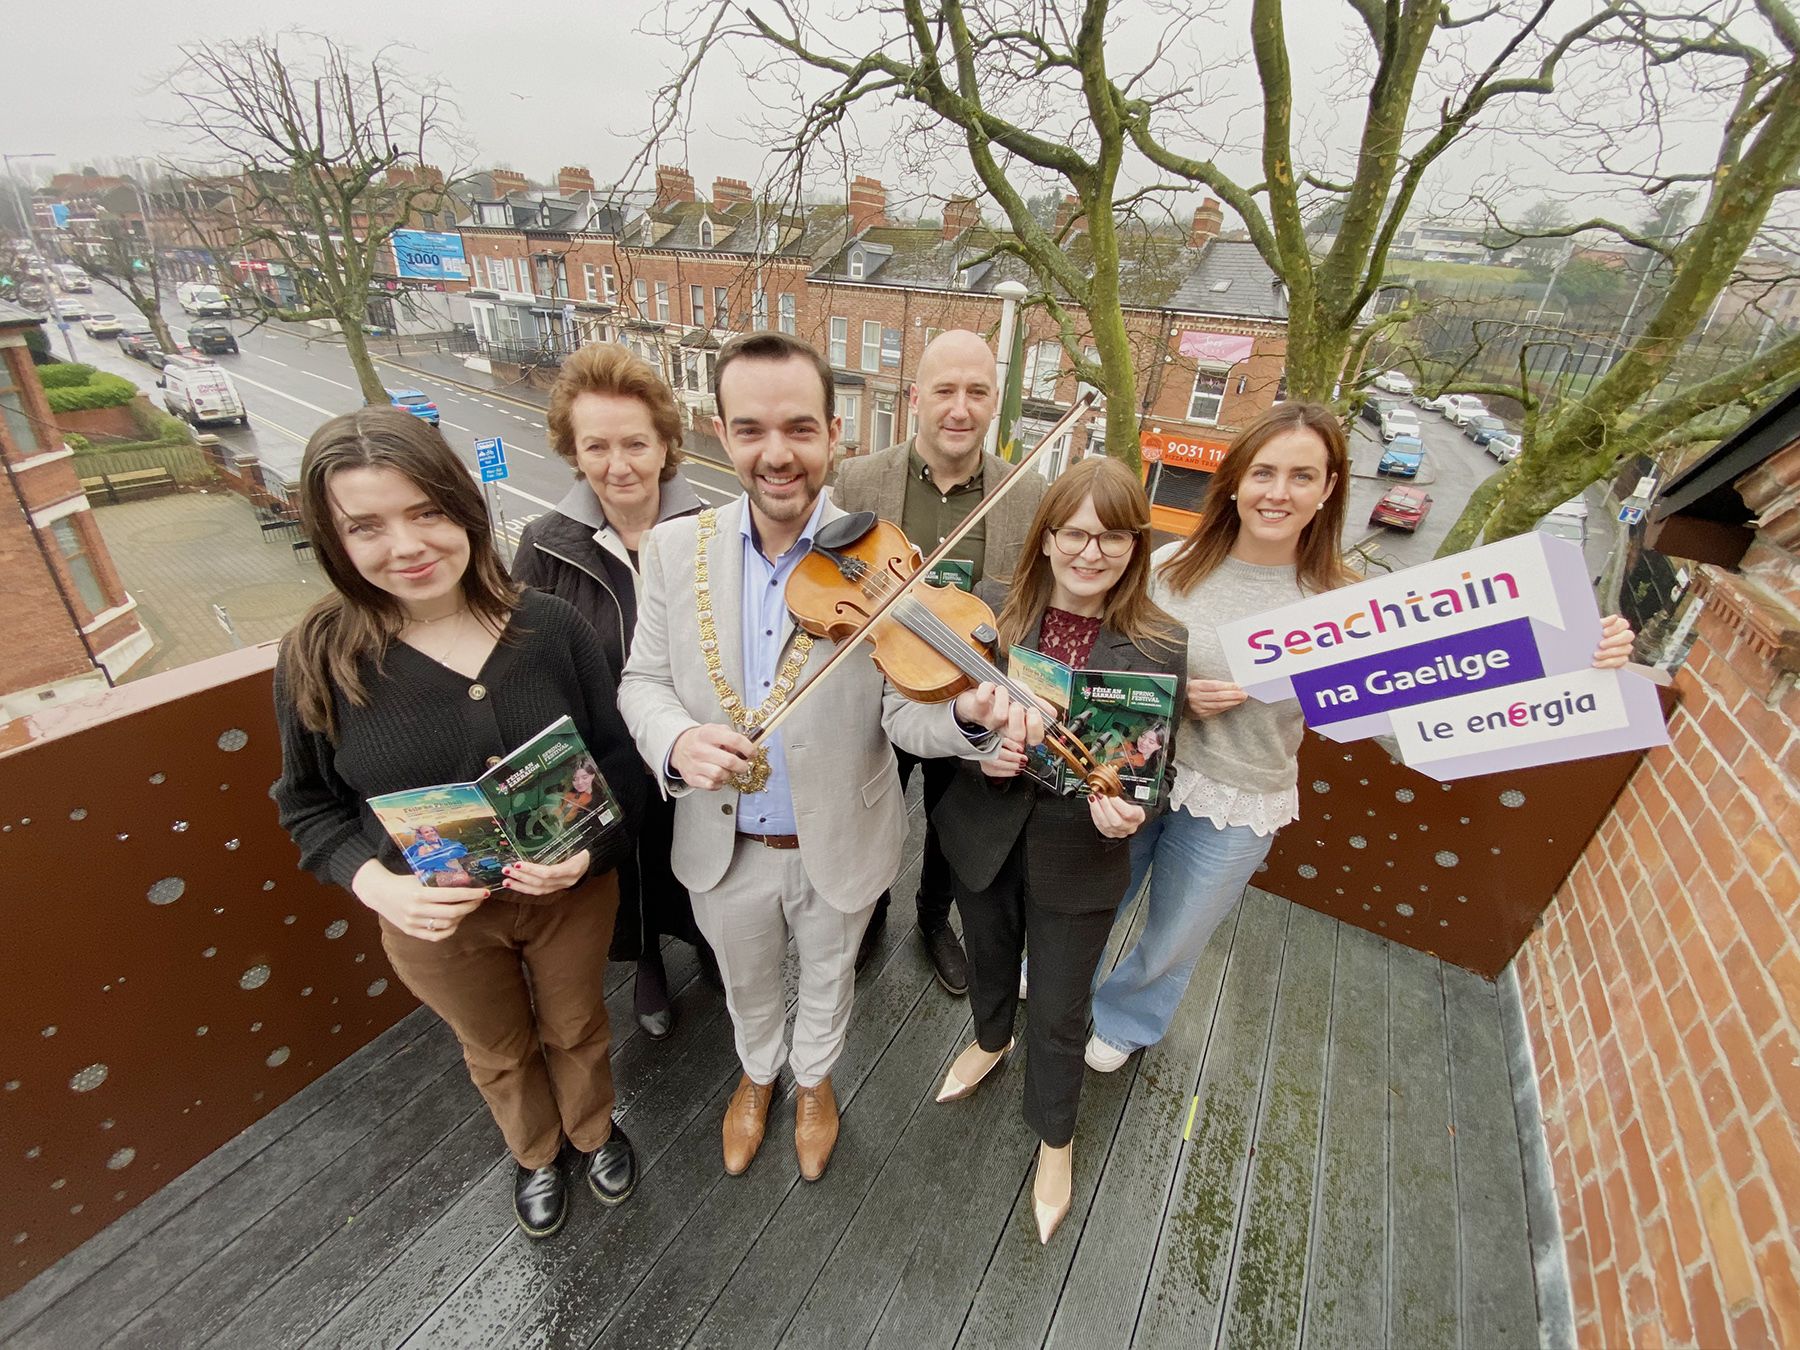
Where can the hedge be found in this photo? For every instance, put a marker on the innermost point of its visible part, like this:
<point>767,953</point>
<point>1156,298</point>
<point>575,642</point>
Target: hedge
<point>103,391</point>
<point>66,375</point>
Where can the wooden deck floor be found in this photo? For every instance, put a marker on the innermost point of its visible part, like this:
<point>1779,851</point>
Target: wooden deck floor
<point>1322,1153</point>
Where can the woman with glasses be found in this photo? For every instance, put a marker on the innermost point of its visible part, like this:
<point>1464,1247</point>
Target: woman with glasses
<point>615,422</point>
<point>1030,866</point>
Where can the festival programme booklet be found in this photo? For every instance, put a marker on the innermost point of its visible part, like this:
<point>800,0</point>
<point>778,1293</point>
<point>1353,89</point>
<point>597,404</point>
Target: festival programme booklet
<point>1126,718</point>
<point>544,802</point>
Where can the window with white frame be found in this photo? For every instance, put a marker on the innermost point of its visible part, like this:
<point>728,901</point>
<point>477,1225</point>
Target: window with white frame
<point>1208,396</point>
<point>881,425</point>
<point>697,305</point>
<point>789,315</point>
<point>721,307</point>
<point>1092,356</point>
<point>759,309</point>
<point>871,346</point>
<point>609,284</point>
<point>856,264</point>
<point>590,276</point>
<point>706,233</point>
<point>1043,367</point>
<point>662,301</point>
<point>840,341</point>
<point>640,292</point>
<point>850,409</point>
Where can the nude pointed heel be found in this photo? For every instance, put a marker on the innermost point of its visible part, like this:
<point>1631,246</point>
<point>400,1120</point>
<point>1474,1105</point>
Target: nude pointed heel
<point>1049,1216</point>
<point>954,1089</point>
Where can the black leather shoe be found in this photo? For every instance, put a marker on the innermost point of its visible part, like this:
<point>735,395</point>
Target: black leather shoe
<point>540,1199</point>
<point>871,937</point>
<point>650,999</point>
<point>948,959</point>
<point>612,1169</point>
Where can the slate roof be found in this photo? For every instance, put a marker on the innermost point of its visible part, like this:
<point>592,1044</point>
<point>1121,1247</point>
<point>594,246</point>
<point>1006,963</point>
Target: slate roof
<point>1226,276</point>
<point>16,316</point>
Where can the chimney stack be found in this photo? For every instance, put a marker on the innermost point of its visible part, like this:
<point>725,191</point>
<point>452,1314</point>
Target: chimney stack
<point>507,181</point>
<point>1209,218</point>
<point>571,180</point>
<point>729,192</point>
<point>673,185</point>
<point>1069,218</point>
<point>960,213</point>
<point>868,203</point>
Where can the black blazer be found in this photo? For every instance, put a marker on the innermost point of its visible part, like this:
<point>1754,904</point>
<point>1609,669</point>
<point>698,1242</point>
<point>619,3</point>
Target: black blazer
<point>1070,866</point>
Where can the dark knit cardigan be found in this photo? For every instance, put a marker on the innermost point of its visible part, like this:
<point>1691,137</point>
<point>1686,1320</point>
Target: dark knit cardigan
<point>425,724</point>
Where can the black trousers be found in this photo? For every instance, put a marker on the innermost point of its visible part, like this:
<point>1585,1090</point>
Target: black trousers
<point>936,889</point>
<point>1065,952</point>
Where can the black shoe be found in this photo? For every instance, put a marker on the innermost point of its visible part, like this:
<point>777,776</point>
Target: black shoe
<point>612,1169</point>
<point>540,1199</point>
<point>948,960</point>
<point>650,998</point>
<point>871,937</point>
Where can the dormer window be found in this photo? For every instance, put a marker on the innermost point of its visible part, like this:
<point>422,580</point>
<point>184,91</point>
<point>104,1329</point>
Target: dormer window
<point>856,264</point>
<point>706,233</point>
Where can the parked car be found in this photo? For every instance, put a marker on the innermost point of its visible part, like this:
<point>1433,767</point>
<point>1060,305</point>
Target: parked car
<point>72,278</point>
<point>1459,408</point>
<point>1505,447</point>
<point>200,391</point>
<point>1394,382</point>
<point>158,358</point>
<point>213,338</point>
<point>1572,528</point>
<point>70,310</point>
<point>100,323</point>
<point>1372,409</point>
<point>1402,457</point>
<point>1435,405</point>
<point>1399,421</point>
<point>1404,508</point>
<point>1483,427</point>
<point>32,295</point>
<point>132,338</point>
<point>415,403</point>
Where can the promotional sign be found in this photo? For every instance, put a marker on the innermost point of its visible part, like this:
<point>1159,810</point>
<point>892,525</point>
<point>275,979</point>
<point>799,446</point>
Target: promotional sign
<point>429,255</point>
<point>1190,452</point>
<point>490,459</point>
<point>1218,349</point>
<point>1474,663</point>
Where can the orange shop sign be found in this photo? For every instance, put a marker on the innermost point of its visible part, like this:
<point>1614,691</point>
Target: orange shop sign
<point>1183,451</point>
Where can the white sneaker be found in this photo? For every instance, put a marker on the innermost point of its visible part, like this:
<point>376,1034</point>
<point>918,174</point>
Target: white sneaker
<point>1102,1058</point>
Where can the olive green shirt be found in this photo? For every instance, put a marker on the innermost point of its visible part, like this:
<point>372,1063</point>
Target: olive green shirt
<point>930,514</point>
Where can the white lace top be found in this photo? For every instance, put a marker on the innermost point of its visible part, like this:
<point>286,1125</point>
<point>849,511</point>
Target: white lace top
<point>1222,804</point>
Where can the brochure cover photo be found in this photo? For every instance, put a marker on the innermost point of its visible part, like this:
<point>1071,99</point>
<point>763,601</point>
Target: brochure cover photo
<point>543,803</point>
<point>1125,718</point>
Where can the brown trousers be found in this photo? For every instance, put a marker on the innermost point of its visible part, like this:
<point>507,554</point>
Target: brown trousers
<point>522,984</point>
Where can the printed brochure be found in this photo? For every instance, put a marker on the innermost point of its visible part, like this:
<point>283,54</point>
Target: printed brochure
<point>1125,718</point>
<point>543,803</point>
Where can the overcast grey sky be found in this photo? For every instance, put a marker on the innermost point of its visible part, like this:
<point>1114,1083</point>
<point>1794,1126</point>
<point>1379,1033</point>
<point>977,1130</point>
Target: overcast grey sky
<point>538,84</point>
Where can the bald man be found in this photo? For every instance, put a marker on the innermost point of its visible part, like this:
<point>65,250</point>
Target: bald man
<point>928,486</point>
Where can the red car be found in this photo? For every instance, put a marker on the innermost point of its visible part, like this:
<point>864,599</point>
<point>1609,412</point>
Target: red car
<point>1402,507</point>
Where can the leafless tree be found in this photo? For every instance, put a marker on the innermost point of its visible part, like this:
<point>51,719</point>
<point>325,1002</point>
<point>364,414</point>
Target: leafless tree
<point>312,157</point>
<point>112,253</point>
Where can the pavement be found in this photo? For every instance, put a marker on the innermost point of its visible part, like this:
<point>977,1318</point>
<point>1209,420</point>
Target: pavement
<point>182,554</point>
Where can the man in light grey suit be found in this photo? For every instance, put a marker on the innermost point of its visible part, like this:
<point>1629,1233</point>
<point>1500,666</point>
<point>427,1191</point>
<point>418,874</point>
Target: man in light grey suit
<point>800,839</point>
<point>927,486</point>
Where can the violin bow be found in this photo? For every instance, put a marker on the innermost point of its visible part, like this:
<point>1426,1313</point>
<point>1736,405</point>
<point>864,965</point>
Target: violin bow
<point>899,592</point>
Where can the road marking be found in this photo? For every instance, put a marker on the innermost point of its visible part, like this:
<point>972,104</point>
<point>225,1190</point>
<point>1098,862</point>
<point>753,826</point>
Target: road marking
<point>292,398</point>
<point>520,492</point>
<point>271,360</point>
<point>328,380</point>
<point>454,427</point>
<point>263,419</point>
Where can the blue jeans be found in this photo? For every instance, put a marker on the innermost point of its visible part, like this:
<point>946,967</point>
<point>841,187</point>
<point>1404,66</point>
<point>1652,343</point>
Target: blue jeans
<point>1200,872</point>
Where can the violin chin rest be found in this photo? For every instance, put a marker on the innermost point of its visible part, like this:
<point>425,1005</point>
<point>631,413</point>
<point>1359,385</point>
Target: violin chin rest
<point>845,530</point>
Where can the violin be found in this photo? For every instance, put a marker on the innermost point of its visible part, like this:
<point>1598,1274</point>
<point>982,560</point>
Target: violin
<point>864,579</point>
<point>931,642</point>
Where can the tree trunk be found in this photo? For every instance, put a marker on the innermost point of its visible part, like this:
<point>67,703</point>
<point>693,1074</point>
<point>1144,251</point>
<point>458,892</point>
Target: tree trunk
<point>356,344</point>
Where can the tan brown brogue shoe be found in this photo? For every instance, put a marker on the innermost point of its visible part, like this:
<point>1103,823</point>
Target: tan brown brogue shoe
<point>745,1119</point>
<point>815,1128</point>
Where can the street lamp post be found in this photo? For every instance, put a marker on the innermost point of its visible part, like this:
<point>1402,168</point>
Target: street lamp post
<point>30,220</point>
<point>1010,293</point>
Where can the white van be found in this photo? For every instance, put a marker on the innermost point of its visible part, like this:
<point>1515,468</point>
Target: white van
<point>72,278</point>
<point>200,392</point>
<point>196,297</point>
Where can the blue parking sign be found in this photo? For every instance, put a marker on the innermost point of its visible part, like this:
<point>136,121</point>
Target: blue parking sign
<point>490,459</point>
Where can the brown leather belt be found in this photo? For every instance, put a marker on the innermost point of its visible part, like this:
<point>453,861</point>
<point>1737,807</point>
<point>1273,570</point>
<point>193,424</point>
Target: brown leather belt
<point>773,840</point>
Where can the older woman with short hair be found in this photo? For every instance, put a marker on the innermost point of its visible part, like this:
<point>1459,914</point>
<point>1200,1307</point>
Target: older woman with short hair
<point>617,424</point>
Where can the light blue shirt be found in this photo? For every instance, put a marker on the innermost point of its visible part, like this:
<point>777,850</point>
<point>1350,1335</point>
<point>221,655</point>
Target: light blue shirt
<point>766,622</point>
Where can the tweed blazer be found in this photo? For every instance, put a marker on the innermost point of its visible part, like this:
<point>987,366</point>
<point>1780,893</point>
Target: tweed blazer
<point>877,483</point>
<point>848,807</point>
<point>1070,866</point>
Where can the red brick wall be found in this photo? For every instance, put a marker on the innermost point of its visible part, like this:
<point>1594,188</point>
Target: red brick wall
<point>1662,998</point>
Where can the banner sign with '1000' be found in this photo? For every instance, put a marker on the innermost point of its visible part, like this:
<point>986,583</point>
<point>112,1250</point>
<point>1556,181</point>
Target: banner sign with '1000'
<point>429,255</point>
<point>1474,663</point>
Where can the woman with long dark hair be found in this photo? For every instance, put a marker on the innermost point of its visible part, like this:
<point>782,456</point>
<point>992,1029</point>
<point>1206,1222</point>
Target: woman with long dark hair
<point>615,422</point>
<point>1034,867</point>
<point>424,666</point>
<point>1271,534</point>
